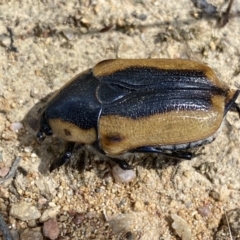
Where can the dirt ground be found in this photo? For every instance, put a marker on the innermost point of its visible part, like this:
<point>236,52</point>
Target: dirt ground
<point>43,44</point>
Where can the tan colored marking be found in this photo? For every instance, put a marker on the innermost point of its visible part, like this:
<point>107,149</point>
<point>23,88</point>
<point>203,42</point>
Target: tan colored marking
<point>77,134</point>
<point>170,128</point>
<point>110,66</point>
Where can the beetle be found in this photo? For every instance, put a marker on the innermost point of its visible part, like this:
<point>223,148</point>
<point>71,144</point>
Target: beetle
<point>166,106</point>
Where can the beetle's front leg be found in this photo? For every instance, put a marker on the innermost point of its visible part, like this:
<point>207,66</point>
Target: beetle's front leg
<point>63,159</point>
<point>121,163</point>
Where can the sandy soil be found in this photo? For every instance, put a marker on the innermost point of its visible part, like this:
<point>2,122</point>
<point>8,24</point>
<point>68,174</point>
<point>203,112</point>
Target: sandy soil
<point>55,40</point>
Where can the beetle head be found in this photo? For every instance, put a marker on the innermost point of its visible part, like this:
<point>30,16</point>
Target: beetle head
<point>44,130</point>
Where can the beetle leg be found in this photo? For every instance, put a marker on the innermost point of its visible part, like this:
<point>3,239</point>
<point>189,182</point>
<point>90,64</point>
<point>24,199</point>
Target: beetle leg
<point>231,104</point>
<point>63,159</point>
<point>148,150</point>
<point>176,154</point>
<point>181,155</point>
<point>237,108</point>
<point>122,164</point>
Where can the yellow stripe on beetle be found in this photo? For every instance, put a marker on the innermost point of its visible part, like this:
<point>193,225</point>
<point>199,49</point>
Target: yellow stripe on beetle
<point>120,134</point>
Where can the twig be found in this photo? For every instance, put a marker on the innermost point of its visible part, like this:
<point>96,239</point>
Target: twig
<point>225,16</point>
<point>12,170</point>
<point>11,47</point>
<point>4,228</point>
<point>206,7</point>
<point>229,229</point>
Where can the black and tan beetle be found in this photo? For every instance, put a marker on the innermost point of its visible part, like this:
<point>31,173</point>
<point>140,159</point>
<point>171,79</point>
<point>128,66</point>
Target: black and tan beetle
<point>165,106</point>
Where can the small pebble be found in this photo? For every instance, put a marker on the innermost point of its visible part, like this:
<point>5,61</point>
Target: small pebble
<point>122,222</point>
<point>31,233</point>
<point>42,201</point>
<point>4,171</point>
<point>32,223</point>
<point>78,218</point>
<point>49,213</point>
<point>181,227</point>
<point>68,34</point>
<point>33,155</point>
<point>204,211</point>
<point>91,214</point>
<point>63,218</point>
<point>138,206</point>
<point>15,127</point>
<point>52,204</point>
<point>51,229</point>
<point>24,211</point>
<point>123,176</point>
<point>28,149</point>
